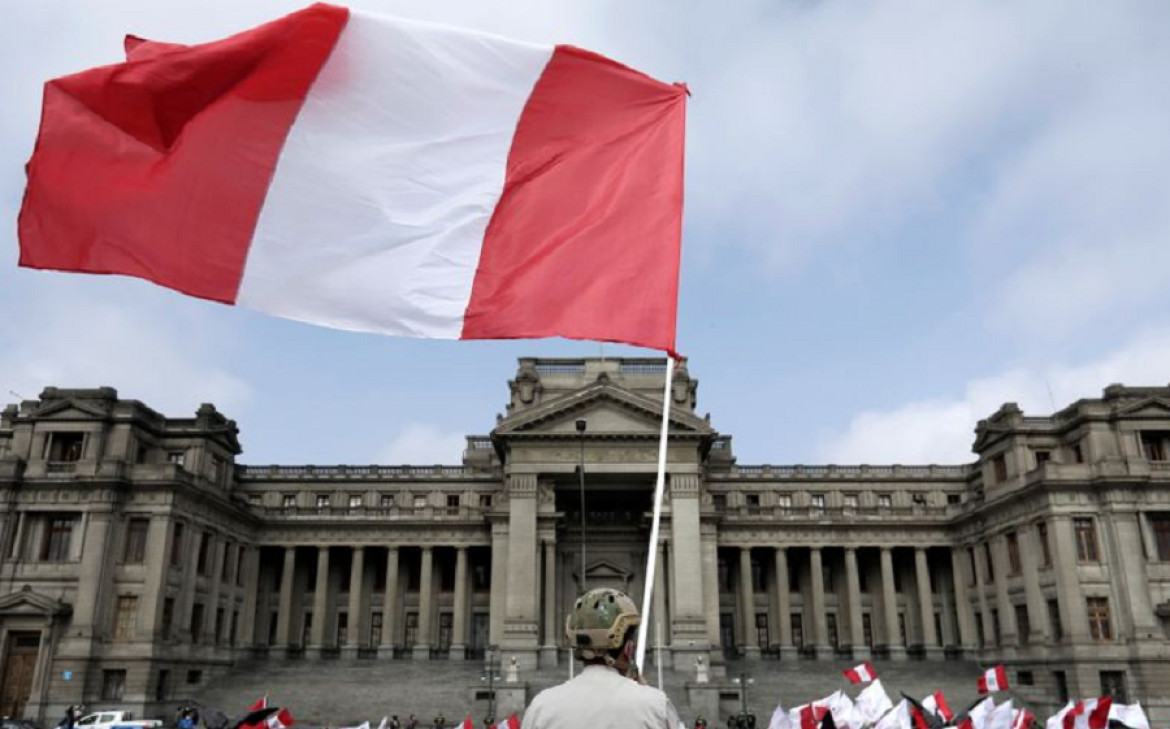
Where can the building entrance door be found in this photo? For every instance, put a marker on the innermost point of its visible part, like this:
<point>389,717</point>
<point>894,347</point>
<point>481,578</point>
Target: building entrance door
<point>727,635</point>
<point>16,674</point>
<point>479,634</point>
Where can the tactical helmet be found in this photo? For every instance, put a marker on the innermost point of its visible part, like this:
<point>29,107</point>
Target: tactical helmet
<point>701,721</point>
<point>599,621</point>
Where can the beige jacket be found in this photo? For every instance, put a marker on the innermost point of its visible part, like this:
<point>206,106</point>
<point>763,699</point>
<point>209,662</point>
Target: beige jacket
<point>601,698</point>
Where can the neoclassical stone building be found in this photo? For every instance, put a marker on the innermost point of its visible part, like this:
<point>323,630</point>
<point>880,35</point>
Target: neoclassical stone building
<point>138,560</point>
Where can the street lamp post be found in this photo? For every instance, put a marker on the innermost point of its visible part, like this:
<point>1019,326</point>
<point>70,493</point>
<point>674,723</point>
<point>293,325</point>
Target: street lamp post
<point>490,677</point>
<point>746,720</point>
<point>581,425</point>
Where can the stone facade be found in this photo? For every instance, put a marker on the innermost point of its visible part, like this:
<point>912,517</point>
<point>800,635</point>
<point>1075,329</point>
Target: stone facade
<point>138,560</point>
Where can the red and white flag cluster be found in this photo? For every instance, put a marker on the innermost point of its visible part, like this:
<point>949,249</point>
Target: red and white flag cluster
<point>510,723</point>
<point>993,679</point>
<point>861,673</point>
<point>374,174</point>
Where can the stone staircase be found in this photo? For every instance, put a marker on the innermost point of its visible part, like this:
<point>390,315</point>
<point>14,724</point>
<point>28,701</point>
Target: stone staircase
<point>346,692</point>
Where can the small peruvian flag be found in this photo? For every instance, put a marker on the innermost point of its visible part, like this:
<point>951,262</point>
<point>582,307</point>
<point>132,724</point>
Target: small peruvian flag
<point>1089,714</point>
<point>993,679</point>
<point>811,716</point>
<point>937,705</point>
<point>510,723</point>
<point>282,719</point>
<point>467,723</point>
<point>261,703</point>
<point>861,673</point>
<point>1023,720</point>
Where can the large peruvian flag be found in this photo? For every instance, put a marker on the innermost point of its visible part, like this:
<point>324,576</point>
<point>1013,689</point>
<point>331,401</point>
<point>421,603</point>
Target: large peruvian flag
<point>1088,714</point>
<point>993,679</point>
<point>373,174</point>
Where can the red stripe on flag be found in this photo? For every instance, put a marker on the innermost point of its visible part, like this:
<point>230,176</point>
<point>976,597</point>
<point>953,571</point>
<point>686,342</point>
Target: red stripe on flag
<point>584,242</point>
<point>158,167</point>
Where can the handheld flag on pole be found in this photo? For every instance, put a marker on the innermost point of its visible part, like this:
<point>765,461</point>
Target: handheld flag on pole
<point>992,680</point>
<point>861,673</point>
<point>373,174</point>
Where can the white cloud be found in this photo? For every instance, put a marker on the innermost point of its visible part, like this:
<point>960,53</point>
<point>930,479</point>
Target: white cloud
<point>942,430</point>
<point>423,444</point>
<point>68,339</point>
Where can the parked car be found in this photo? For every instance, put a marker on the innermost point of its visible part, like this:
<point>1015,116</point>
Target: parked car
<point>8,723</point>
<point>116,720</point>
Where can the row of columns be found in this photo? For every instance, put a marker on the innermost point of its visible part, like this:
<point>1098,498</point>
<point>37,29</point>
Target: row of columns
<point>819,625</point>
<point>358,603</point>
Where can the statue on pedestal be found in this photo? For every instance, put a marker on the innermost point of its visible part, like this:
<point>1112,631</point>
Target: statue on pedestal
<point>512,674</point>
<point>702,674</point>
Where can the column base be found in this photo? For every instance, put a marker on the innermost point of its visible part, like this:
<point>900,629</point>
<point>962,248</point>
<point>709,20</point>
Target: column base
<point>789,653</point>
<point>750,652</point>
<point>897,652</point>
<point>822,652</point>
<point>458,652</point>
<point>862,653</point>
<point>386,651</point>
<point>933,653</point>
<point>314,651</point>
<point>349,652</point>
<point>549,656</point>
<point>421,652</point>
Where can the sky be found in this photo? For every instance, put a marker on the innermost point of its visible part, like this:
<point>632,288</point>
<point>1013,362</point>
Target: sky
<point>899,215</point>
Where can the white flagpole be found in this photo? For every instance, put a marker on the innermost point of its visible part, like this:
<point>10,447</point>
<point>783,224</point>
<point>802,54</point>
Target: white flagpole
<point>652,555</point>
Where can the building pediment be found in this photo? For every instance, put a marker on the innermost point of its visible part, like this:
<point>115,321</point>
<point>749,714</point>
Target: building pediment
<point>1150,407</point>
<point>608,409</point>
<point>70,410</point>
<point>28,603</point>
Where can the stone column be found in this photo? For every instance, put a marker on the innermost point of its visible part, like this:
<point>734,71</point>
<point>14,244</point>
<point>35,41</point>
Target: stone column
<point>216,552</point>
<point>749,640</point>
<point>894,642</point>
<point>548,651</point>
<point>357,601</point>
<point>979,563</point>
<point>499,588</point>
<point>426,592</point>
<point>853,587</point>
<point>962,602</point>
<point>658,619</point>
<point>1132,585</point>
<point>784,604</point>
<point>1074,615</point>
<point>93,582</point>
<point>926,604</point>
<point>520,622</point>
<point>317,632</point>
<point>251,588</point>
<point>390,600</point>
<point>1003,603</point>
<point>284,620</point>
<point>459,629</point>
<point>186,602</point>
<point>821,647</point>
<point>1037,611</point>
<point>155,592</point>
<point>694,596</point>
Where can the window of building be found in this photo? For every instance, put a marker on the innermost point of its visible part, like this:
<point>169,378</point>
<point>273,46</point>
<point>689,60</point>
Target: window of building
<point>239,565</point>
<point>141,452</point>
<point>723,571</point>
<point>218,469</point>
<point>322,502</point>
<point>134,550</point>
<point>753,503</point>
<point>255,499</point>
<point>203,563</point>
<point>996,627</point>
<point>1023,625</point>
<point>65,447</point>
<point>1086,536</point>
<point>797,623</point>
<point>420,502</point>
<point>1013,550</point>
<point>885,501</point>
<point>386,501</point>
<point>1160,525</point>
<point>1154,444</point>
<point>1060,678</point>
<point>485,501</point>
<point>194,676</point>
<point>225,565</point>
<point>1077,454</point>
<point>999,465</point>
<point>196,627</point>
<point>179,458</point>
<point>918,499</point>
<point>1042,457</point>
<point>452,501</point>
<point>971,563</point>
<point>867,630</point>
<point>902,628</point>
<point>758,584</point>
<point>818,503</point>
<point>1054,620</point>
<point>161,683</point>
<point>58,539</point>
<point>980,635</point>
<point>785,503</point>
<point>954,499</point>
<point>988,563</point>
<point>851,501</point>
<point>1025,678</point>
<point>126,617</point>
<point>168,617</point>
<point>762,637</point>
<point>410,630</point>
<point>1100,628</point>
<point>113,684</point>
<point>831,629</point>
<point>376,628</point>
<point>288,501</point>
<point>355,501</point>
<point>177,545</point>
<point>219,618</point>
<point>1045,549</point>
<point>1113,684</point>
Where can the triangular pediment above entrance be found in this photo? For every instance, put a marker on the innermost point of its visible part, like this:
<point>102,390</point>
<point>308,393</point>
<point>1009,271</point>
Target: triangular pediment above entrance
<point>69,410</point>
<point>25,602</point>
<point>1153,407</point>
<point>607,408</point>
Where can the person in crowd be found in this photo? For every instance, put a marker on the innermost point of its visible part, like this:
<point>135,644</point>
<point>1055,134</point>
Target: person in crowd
<point>602,628</point>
